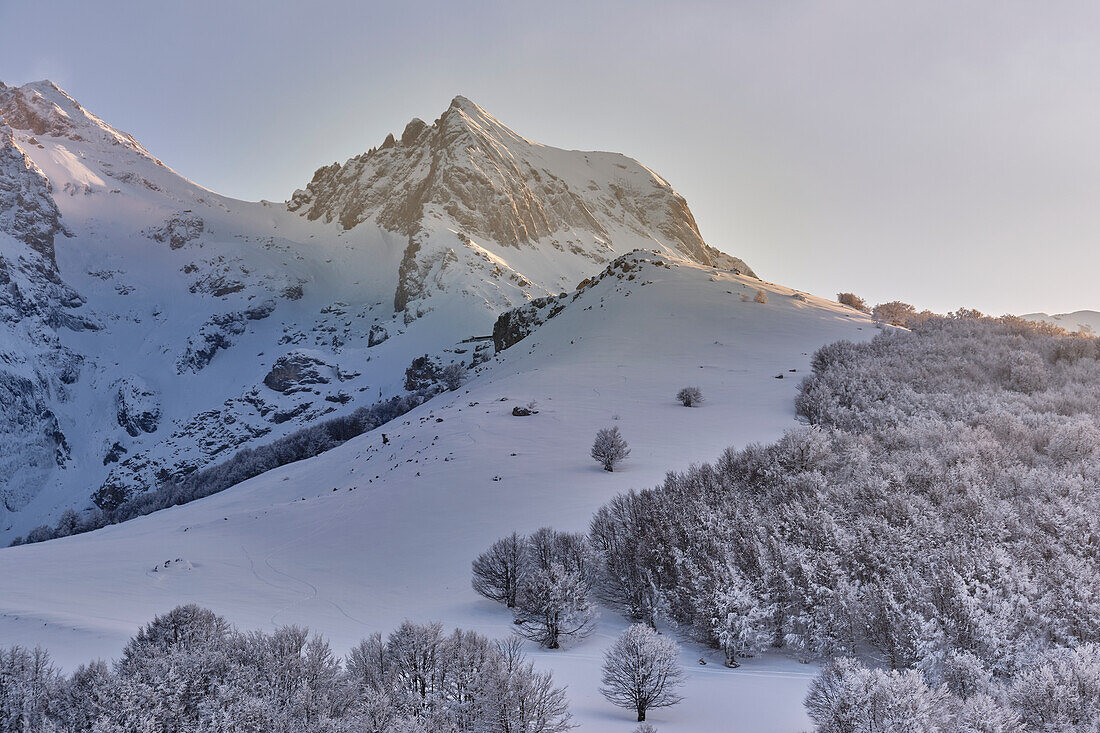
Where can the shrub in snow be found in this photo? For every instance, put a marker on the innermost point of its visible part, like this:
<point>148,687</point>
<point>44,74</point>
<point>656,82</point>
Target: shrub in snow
<point>645,728</point>
<point>760,297</point>
<point>690,396</point>
<point>642,671</point>
<point>901,314</point>
<point>609,448</point>
<point>452,376</point>
<point>853,301</point>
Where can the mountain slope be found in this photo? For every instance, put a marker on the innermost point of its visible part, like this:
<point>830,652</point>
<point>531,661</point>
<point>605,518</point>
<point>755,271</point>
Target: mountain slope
<point>383,529</point>
<point>1076,321</point>
<point>155,323</point>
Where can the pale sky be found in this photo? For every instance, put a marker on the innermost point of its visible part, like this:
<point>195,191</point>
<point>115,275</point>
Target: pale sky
<point>943,153</point>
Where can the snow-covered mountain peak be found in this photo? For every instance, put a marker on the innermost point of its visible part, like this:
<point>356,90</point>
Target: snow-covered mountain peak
<point>471,194</point>
<point>43,108</point>
<point>156,338</point>
<point>464,116</point>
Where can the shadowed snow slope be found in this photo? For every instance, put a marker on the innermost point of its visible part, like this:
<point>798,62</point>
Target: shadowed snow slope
<point>141,313</point>
<point>373,532</point>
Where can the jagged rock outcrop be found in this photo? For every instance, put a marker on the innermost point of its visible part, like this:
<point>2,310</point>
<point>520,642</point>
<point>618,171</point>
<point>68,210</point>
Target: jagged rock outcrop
<point>27,208</point>
<point>35,367</point>
<point>516,324</point>
<point>137,408</point>
<point>299,370</point>
<point>377,335</point>
<point>178,230</point>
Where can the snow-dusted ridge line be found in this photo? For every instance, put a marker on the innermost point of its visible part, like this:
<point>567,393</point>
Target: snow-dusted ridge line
<point>192,299</point>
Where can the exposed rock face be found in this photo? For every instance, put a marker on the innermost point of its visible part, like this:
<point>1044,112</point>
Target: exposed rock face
<point>218,333</point>
<point>515,325</point>
<point>136,407</point>
<point>422,373</point>
<point>178,230</point>
<point>27,208</point>
<point>35,367</point>
<point>377,335</point>
<point>299,370</point>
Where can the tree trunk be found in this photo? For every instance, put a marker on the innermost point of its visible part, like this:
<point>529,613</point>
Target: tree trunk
<point>641,713</point>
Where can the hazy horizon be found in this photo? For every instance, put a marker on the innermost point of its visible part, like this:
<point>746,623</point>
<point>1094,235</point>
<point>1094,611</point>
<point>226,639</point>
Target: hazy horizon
<point>943,154</point>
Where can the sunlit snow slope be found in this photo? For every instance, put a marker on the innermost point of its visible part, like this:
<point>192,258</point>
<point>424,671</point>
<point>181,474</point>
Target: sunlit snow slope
<point>1075,321</point>
<point>371,533</point>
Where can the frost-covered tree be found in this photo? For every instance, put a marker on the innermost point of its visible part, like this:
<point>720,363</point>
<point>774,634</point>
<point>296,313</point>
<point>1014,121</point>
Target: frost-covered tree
<point>1061,692</point>
<point>546,546</point>
<point>554,605</point>
<point>642,671</point>
<point>690,396</point>
<point>418,680</point>
<point>30,688</point>
<point>850,698</point>
<point>869,530</point>
<point>497,571</point>
<point>741,624</point>
<point>609,448</point>
<point>512,696</point>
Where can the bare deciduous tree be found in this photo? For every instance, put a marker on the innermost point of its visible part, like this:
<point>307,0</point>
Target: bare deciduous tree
<point>641,671</point>
<point>498,570</point>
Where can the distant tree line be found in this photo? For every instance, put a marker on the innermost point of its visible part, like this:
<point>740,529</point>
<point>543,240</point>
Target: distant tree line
<point>189,671</point>
<point>310,441</point>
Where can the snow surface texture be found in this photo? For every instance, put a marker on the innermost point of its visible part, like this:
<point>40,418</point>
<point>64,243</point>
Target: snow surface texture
<point>178,326</point>
<point>366,535</point>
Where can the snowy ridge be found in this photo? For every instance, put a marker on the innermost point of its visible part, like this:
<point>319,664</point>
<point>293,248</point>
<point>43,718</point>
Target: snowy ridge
<point>170,307</point>
<point>1088,321</point>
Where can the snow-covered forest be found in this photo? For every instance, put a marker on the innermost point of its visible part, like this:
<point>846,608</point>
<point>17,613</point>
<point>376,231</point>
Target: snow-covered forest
<point>188,670</point>
<point>936,520</point>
